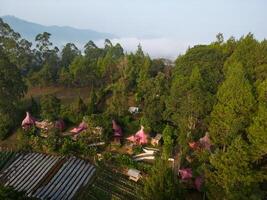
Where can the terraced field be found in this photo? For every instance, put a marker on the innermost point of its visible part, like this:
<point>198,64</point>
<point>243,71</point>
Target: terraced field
<point>112,185</point>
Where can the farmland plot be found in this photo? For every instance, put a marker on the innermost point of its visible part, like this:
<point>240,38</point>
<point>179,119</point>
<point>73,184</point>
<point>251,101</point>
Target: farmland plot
<point>45,176</point>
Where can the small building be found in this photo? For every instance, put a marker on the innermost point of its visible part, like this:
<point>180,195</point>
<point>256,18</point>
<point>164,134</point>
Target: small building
<point>133,110</point>
<point>134,174</point>
<point>156,140</point>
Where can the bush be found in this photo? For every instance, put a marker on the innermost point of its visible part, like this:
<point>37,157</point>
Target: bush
<point>5,126</point>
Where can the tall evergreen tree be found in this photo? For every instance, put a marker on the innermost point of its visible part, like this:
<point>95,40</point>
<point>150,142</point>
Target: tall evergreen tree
<point>231,114</point>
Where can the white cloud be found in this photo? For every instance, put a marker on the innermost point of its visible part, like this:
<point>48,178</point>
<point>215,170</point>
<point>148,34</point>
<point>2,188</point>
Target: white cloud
<point>155,47</point>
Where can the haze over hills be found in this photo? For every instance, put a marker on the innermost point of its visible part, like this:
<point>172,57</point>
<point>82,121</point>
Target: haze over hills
<point>60,34</point>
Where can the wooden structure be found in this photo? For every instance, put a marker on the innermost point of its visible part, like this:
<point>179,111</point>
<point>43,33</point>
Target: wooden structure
<point>134,174</point>
<point>156,140</point>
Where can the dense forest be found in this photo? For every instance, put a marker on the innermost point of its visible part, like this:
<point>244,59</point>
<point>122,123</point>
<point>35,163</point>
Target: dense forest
<point>219,90</point>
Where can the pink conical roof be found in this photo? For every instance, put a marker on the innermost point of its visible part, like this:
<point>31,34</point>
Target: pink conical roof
<point>141,136</point>
<point>185,173</point>
<point>205,142</point>
<point>117,129</point>
<point>198,182</point>
<point>28,120</point>
<point>193,145</point>
<point>82,126</point>
<point>131,138</point>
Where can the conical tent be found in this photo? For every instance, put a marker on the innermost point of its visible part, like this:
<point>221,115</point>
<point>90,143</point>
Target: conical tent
<point>28,120</point>
<point>198,182</point>
<point>141,136</point>
<point>186,173</point>
<point>131,138</point>
<point>117,129</point>
<point>82,126</point>
<point>205,142</point>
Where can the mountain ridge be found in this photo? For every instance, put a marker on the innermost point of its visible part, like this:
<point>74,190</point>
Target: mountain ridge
<point>60,35</point>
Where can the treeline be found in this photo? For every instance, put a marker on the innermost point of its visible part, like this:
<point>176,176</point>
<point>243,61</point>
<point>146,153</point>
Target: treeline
<point>219,89</point>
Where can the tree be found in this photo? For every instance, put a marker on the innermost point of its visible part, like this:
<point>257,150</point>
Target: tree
<point>53,140</point>
<point>50,107</point>
<point>161,184</point>
<point>188,106</point>
<point>17,49</point>
<point>257,132</point>
<point>168,141</point>
<point>152,94</point>
<point>69,52</point>
<point>12,89</point>
<point>231,115</point>
<point>232,175</point>
<point>117,104</point>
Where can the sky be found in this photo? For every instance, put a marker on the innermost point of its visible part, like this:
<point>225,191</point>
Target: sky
<point>163,27</point>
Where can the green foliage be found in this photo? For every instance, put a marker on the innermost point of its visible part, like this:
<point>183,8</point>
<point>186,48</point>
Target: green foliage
<point>239,181</point>
<point>161,184</point>
<point>168,135</point>
<point>230,116</point>
<point>53,141</point>
<point>50,107</point>
<point>12,88</point>
<point>7,193</point>
<point>258,128</point>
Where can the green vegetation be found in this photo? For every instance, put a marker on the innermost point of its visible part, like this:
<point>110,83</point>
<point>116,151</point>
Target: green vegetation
<point>10,194</point>
<point>112,185</point>
<point>217,90</point>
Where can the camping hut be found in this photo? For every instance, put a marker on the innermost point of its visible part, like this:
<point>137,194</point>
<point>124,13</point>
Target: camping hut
<point>28,121</point>
<point>134,174</point>
<point>155,140</point>
<point>186,173</point>
<point>82,126</point>
<point>205,142</point>
<point>117,132</point>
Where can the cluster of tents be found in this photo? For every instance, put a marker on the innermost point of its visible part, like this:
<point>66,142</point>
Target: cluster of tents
<point>203,143</point>
<point>29,121</point>
<point>139,138</point>
<point>186,175</point>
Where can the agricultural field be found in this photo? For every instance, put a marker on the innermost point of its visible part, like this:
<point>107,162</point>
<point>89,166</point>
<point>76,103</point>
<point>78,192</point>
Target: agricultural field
<point>45,176</point>
<point>109,184</point>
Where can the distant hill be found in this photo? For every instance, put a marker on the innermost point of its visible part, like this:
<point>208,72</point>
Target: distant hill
<point>60,34</point>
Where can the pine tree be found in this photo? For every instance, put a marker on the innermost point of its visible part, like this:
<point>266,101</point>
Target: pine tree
<point>188,106</point>
<point>161,184</point>
<point>231,175</point>
<point>168,141</point>
<point>231,114</point>
<point>257,132</point>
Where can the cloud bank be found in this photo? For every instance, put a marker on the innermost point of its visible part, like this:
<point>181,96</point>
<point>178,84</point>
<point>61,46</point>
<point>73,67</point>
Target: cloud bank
<point>156,47</point>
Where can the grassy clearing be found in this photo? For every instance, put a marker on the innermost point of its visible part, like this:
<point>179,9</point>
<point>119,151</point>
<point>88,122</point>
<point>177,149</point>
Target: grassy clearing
<point>67,95</point>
